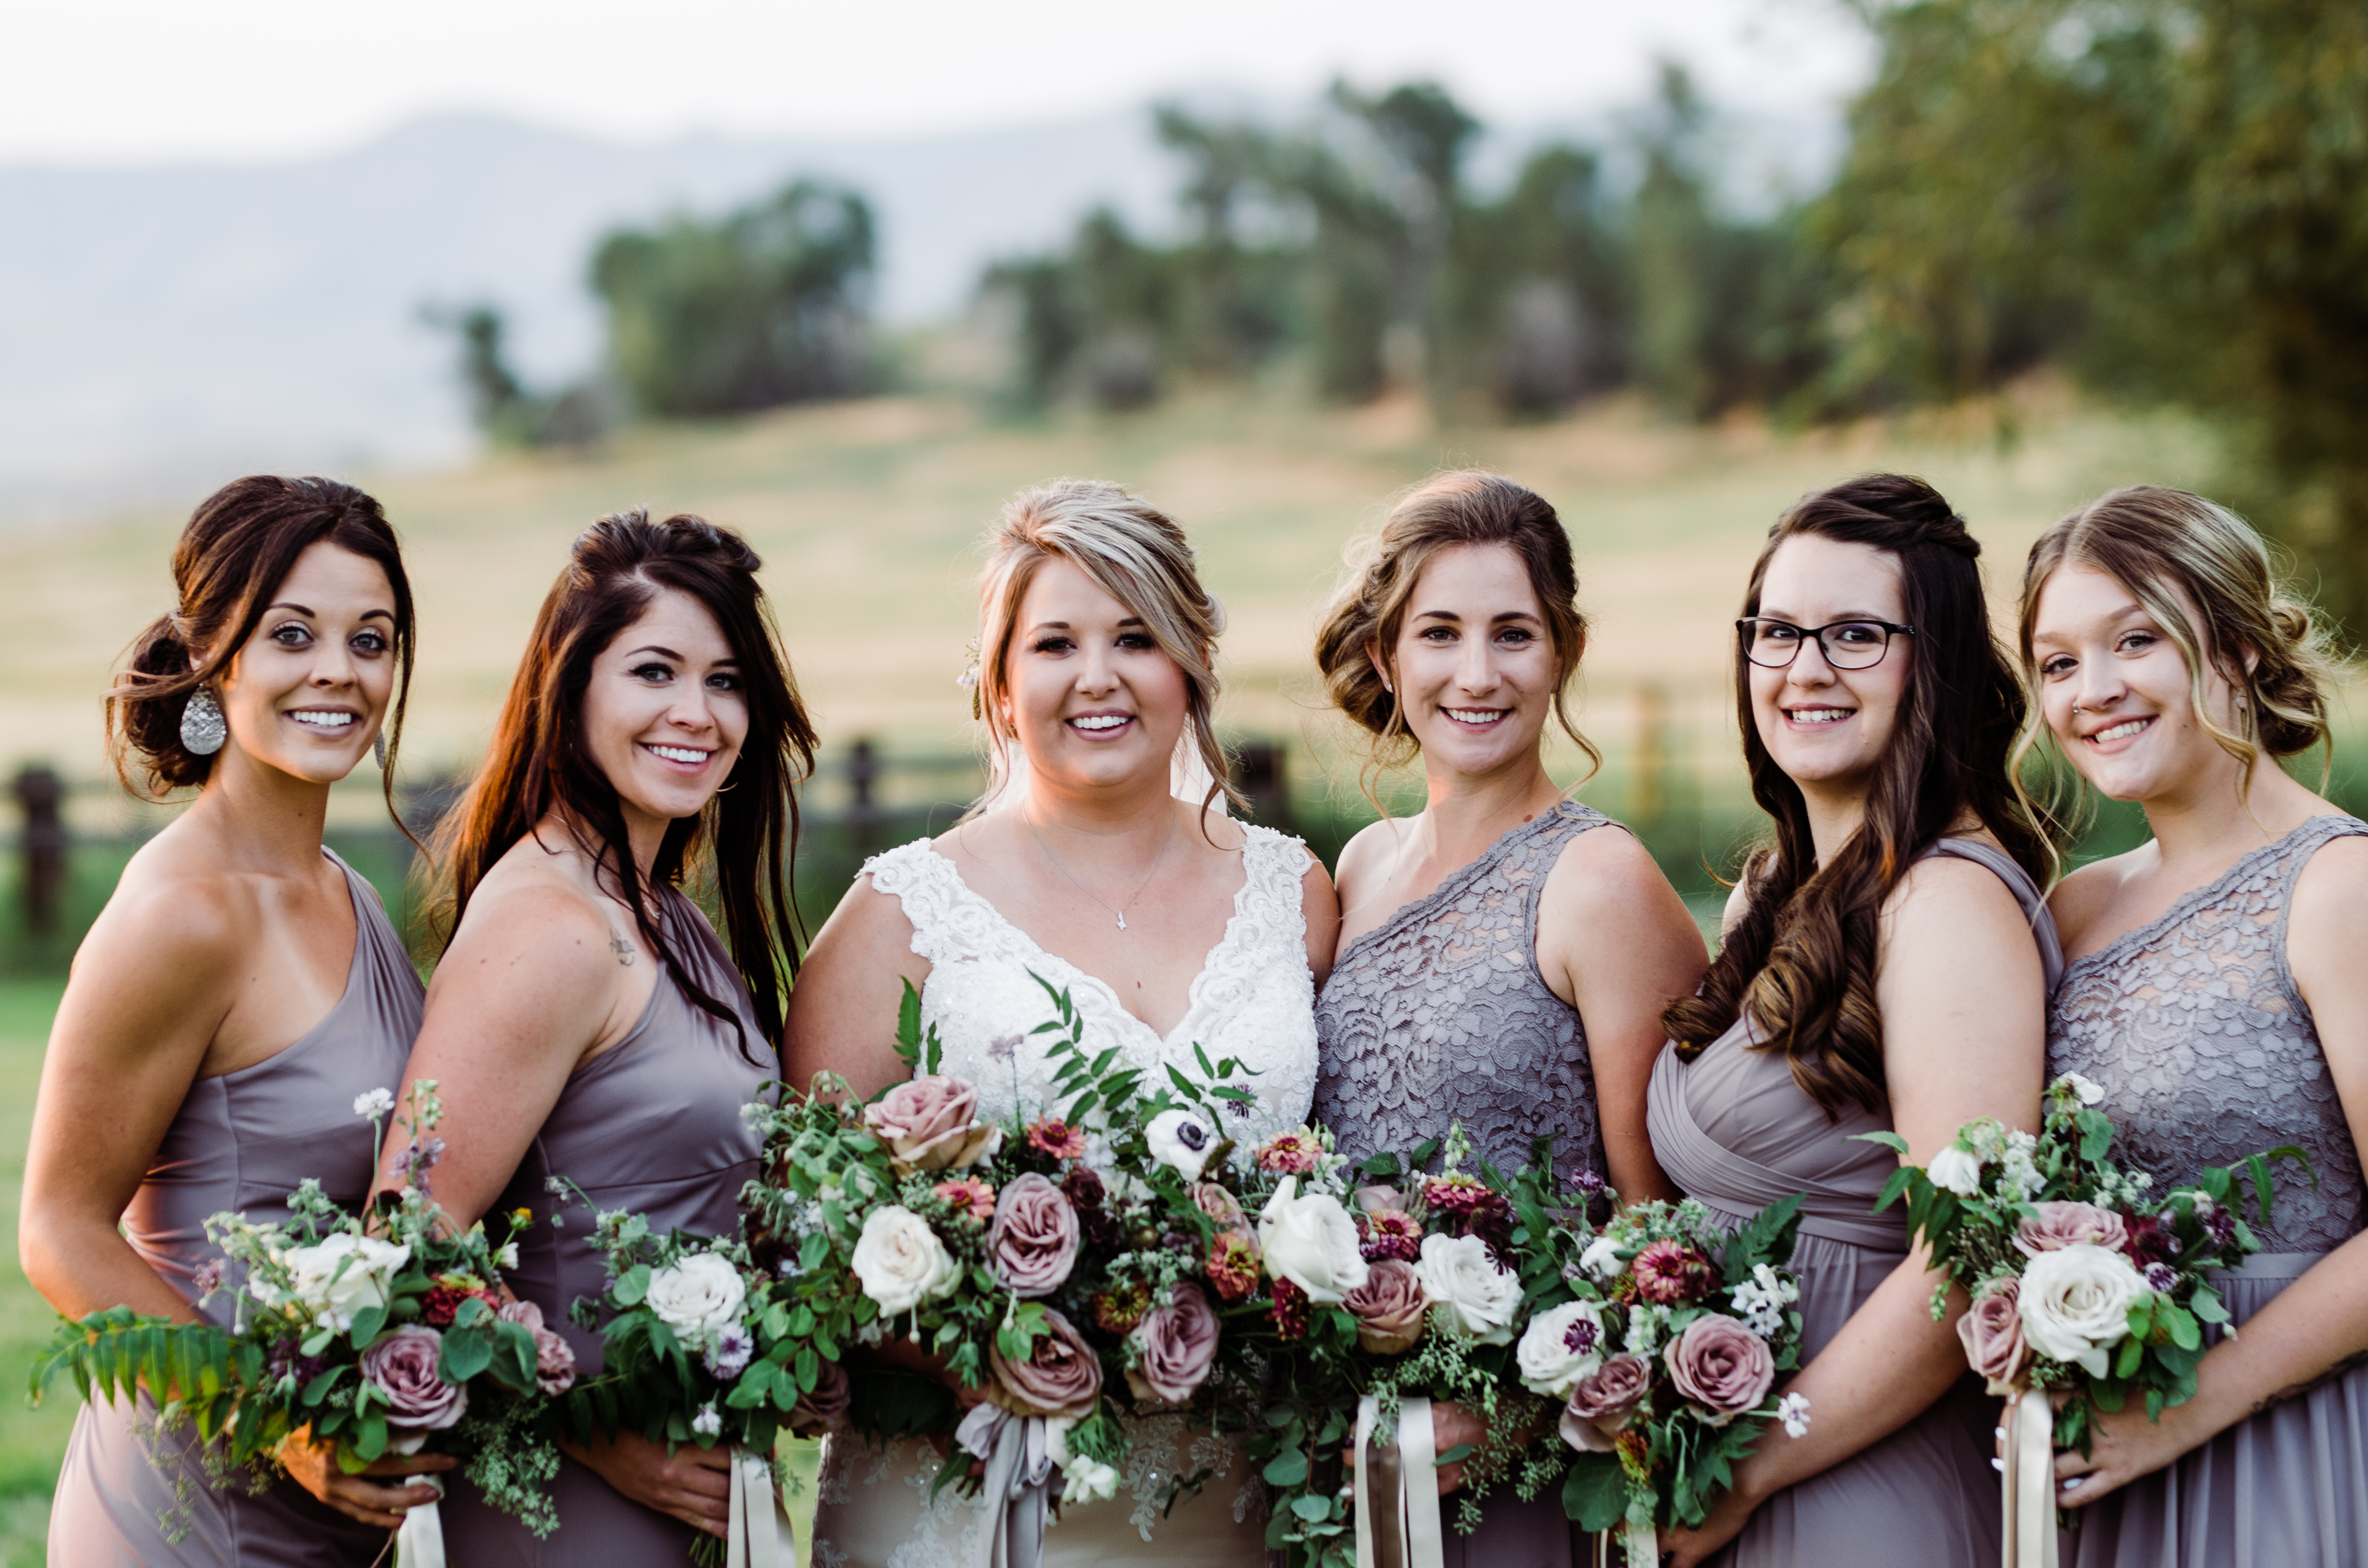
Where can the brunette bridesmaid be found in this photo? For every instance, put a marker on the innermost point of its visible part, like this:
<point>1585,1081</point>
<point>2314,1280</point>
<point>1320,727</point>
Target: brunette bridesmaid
<point>1502,962</point>
<point>585,1023</point>
<point>1886,966</point>
<point>238,993</point>
<point>2216,991</point>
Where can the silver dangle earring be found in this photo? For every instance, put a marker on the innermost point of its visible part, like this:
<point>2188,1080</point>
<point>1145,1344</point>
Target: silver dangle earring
<point>378,749</point>
<point>203,729</point>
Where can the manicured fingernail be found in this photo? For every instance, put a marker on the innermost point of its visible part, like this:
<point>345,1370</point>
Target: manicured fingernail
<point>1998,1465</point>
<point>1999,1432</point>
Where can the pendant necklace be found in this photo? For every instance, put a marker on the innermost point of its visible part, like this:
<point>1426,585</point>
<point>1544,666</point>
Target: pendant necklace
<point>1118,910</point>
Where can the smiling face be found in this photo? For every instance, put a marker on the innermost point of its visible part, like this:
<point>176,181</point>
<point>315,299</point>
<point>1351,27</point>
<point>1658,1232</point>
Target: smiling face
<point>2114,689</point>
<point>308,690</point>
<point>1092,698</point>
<point>1475,670</point>
<point>1828,728</point>
<point>665,714</point>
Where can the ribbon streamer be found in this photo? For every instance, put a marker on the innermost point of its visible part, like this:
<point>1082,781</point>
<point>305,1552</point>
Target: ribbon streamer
<point>759,1534</point>
<point>2028,1494</point>
<point>419,1544</point>
<point>1397,1490</point>
<point>1018,1487</point>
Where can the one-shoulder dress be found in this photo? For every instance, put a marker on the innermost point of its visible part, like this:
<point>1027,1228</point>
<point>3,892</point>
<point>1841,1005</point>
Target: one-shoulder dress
<point>651,1126</point>
<point>1440,1014</point>
<point>241,1142</point>
<point>1732,1130</point>
<point>2205,1049</point>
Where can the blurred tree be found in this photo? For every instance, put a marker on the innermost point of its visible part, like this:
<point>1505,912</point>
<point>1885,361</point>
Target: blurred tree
<point>765,307</point>
<point>1230,315</point>
<point>499,402</point>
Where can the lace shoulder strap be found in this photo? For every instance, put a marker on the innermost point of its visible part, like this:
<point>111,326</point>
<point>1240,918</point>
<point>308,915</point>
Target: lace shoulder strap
<point>1274,866</point>
<point>949,922</point>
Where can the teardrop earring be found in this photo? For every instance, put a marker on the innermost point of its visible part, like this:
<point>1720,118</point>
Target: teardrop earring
<point>378,749</point>
<point>203,729</point>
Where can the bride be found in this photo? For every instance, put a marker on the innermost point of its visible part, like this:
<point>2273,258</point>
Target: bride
<point>1169,923</point>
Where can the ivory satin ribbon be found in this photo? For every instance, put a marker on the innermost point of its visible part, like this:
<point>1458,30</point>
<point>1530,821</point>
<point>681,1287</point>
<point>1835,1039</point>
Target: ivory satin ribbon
<point>759,1532</point>
<point>2028,1492</point>
<point>419,1544</point>
<point>1397,1490</point>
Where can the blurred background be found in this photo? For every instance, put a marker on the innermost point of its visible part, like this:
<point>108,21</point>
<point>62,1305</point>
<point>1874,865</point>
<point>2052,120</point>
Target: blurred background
<point>845,278</point>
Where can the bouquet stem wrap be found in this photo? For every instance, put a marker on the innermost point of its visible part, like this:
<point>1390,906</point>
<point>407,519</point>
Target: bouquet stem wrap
<point>2030,1489</point>
<point>760,1535</point>
<point>1017,1485</point>
<point>1397,1490</point>
<point>421,1542</point>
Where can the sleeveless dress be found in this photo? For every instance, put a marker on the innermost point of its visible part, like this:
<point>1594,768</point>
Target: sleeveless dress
<point>1253,999</point>
<point>651,1126</point>
<point>1440,1014</point>
<point>1732,1130</point>
<point>2205,1049</point>
<point>241,1142</point>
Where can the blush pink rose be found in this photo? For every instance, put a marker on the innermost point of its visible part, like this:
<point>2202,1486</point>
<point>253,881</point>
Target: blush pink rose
<point>1061,1377</point>
<point>2061,1224</point>
<point>1992,1332</point>
<point>1032,1244</point>
<point>1603,1403</point>
<point>403,1367</point>
<point>555,1359</point>
<point>1721,1365</point>
<point>1178,1343</point>
<point>1388,1307</point>
<point>929,1124</point>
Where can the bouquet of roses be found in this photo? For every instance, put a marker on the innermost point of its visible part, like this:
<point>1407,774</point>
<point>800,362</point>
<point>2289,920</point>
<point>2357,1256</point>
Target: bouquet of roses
<point>380,1338</point>
<point>2087,1284</point>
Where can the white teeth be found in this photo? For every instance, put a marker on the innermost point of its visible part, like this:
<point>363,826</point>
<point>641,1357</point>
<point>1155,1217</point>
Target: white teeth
<point>323,721</point>
<point>1100,721</point>
<point>1475,715</point>
<point>1819,715</point>
<point>2119,731</point>
<point>679,754</point>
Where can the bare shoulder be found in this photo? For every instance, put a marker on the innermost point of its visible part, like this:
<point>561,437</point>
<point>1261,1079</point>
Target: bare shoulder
<point>172,936</point>
<point>2331,894</point>
<point>1604,867</point>
<point>867,913</point>
<point>1944,894</point>
<point>2077,901</point>
<point>1369,853</point>
<point>531,921</point>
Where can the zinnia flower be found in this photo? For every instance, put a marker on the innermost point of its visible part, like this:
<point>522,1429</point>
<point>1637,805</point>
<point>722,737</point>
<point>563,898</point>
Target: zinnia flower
<point>1392,1233</point>
<point>1671,1274</point>
<point>1232,1266</point>
<point>968,1196</point>
<point>1289,1154</point>
<point>1056,1138</point>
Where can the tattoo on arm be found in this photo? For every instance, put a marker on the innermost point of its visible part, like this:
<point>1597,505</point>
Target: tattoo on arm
<point>2291,1389</point>
<point>621,948</point>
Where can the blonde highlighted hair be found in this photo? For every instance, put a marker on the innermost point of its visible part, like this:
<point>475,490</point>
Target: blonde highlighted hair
<point>2208,581</point>
<point>1134,552</point>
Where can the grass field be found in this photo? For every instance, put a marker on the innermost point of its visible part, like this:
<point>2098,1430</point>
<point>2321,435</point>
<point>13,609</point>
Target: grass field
<point>30,1439</point>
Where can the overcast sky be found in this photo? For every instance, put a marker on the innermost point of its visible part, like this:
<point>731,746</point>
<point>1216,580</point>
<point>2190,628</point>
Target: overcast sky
<point>169,80</point>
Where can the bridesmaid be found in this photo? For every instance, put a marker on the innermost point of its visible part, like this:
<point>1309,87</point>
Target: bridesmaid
<point>2216,991</point>
<point>585,1022</point>
<point>1500,962</point>
<point>239,991</point>
<point>1886,966</point>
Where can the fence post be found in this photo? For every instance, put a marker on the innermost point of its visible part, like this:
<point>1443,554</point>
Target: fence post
<point>42,849</point>
<point>863,811</point>
<point>1260,772</point>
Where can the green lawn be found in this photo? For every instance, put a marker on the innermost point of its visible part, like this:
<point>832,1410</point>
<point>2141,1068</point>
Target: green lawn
<point>30,1439</point>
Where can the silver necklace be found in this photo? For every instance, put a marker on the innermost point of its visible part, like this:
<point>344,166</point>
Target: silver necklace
<point>1119,910</point>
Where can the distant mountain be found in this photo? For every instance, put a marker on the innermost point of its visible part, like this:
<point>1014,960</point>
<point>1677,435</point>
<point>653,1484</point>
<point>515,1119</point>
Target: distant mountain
<point>161,328</point>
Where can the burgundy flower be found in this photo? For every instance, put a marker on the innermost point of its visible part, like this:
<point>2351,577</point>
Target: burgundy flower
<point>401,1368</point>
<point>2148,1239</point>
<point>2161,1277</point>
<point>1392,1233</point>
<point>1179,1343</point>
<point>1083,1188</point>
<point>822,1408</point>
<point>1289,1309</point>
<point>1032,1245</point>
<point>1671,1274</point>
<point>442,1302</point>
<point>1469,1205</point>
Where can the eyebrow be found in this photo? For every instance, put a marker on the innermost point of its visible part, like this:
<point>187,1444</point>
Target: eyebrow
<point>308,614</point>
<point>1501,615</point>
<point>1767,614</point>
<point>1064,626</point>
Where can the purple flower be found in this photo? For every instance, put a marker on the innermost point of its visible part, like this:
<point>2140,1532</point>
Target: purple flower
<point>1587,1182</point>
<point>401,1368</point>
<point>207,1278</point>
<point>2161,1277</point>
<point>1582,1338</point>
<point>419,1159</point>
<point>728,1357</point>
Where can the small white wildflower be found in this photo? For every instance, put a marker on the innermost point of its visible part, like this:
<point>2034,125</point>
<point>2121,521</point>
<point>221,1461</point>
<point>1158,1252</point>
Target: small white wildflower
<point>507,1257</point>
<point>756,1113</point>
<point>555,1186</point>
<point>707,1424</point>
<point>1958,1169</point>
<point>374,1104</point>
<point>1602,1258</point>
<point>1793,1410</point>
<point>2087,1091</point>
<point>1644,1323</point>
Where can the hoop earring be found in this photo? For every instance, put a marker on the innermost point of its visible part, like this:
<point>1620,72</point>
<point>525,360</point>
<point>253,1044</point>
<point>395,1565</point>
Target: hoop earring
<point>203,728</point>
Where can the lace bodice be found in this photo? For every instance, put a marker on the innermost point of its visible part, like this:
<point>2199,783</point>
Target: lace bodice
<point>2205,1048</point>
<point>1253,999</point>
<point>1440,1014</point>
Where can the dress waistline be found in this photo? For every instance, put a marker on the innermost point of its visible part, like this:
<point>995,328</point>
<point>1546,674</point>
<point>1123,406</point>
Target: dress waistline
<point>2269,1266</point>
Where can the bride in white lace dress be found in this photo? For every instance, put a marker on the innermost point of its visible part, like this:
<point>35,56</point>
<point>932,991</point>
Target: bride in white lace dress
<point>1169,923</point>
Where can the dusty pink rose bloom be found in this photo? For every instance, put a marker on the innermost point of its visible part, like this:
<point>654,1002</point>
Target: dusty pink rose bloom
<point>1179,1345</point>
<point>403,1365</point>
<point>822,1408</point>
<point>2062,1224</point>
<point>1223,1207</point>
<point>1374,1199</point>
<point>555,1359</point>
<point>929,1124</point>
<point>1604,1402</point>
<point>1032,1244</point>
<point>1061,1377</point>
<point>1721,1365</point>
<point>1992,1332</point>
<point>1388,1307</point>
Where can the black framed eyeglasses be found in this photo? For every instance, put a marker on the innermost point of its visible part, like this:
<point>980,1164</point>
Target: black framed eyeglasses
<point>1773,644</point>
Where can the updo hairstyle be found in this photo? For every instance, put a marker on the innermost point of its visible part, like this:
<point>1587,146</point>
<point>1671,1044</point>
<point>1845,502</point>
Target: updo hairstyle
<point>237,549</point>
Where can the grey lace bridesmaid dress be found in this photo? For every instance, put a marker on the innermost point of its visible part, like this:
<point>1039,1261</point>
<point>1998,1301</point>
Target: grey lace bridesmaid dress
<point>1732,1130</point>
<point>1439,1015</point>
<point>2205,1049</point>
<point>651,1126</point>
<point>242,1141</point>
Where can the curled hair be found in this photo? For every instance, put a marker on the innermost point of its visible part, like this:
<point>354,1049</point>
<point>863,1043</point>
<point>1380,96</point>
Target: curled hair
<point>1800,959</point>
<point>1137,555</point>
<point>1362,622</point>
<point>238,547</point>
<point>2207,580</point>
<point>538,766</point>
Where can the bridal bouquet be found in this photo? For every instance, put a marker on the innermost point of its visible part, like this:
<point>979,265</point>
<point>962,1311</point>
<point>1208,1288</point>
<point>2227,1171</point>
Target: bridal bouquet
<point>380,1338</point>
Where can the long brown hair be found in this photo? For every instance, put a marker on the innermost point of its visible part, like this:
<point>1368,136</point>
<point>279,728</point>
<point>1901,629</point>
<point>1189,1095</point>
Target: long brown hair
<point>238,547</point>
<point>537,766</point>
<point>1802,958</point>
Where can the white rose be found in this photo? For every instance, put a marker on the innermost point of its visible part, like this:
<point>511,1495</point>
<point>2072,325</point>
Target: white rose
<point>1956,1169</point>
<point>1310,1241</point>
<point>899,1261</point>
<point>2076,1303</point>
<point>1181,1141</point>
<point>1549,1365</point>
<point>1602,1258</point>
<point>1476,1298</point>
<point>335,1280</point>
<point>697,1296</point>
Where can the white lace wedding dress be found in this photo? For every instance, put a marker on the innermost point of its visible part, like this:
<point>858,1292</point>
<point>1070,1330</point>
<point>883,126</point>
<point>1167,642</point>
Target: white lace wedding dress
<point>1253,1000</point>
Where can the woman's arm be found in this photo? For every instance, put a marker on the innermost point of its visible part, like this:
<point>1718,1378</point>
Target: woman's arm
<point>1319,906</point>
<point>2319,1324</point>
<point>842,1016</point>
<point>1963,999</point>
<point>1616,942</point>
